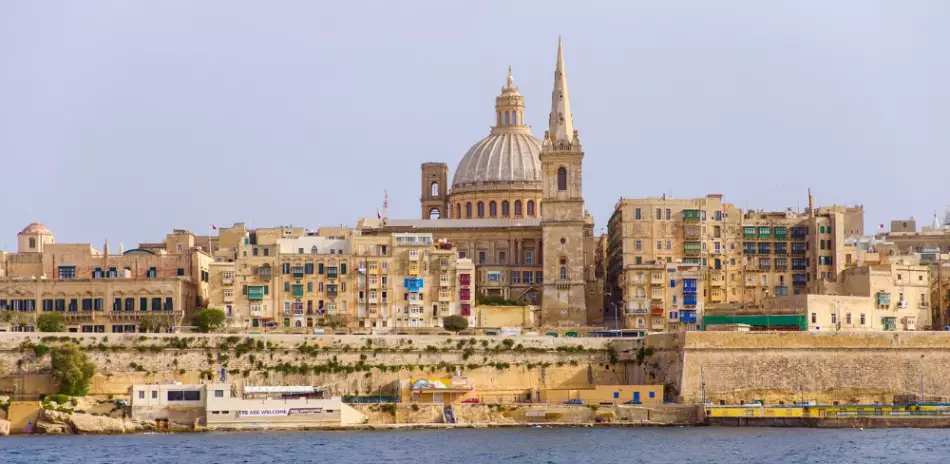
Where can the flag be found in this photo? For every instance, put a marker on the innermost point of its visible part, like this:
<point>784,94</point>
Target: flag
<point>214,227</point>
<point>378,216</point>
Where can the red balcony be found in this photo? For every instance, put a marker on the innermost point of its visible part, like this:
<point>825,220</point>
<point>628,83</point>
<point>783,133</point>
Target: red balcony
<point>657,311</point>
<point>465,294</point>
<point>466,310</point>
<point>465,279</point>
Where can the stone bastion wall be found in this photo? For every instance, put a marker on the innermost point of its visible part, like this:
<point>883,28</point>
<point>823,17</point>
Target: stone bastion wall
<point>848,367</point>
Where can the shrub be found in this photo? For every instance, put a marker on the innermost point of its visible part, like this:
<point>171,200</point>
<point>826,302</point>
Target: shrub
<point>72,368</point>
<point>454,323</point>
<point>40,350</point>
<point>50,322</point>
<point>467,353</point>
<point>208,320</point>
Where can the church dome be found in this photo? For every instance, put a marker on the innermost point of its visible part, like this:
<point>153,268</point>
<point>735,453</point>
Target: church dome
<point>509,155</point>
<point>35,228</point>
<point>503,157</point>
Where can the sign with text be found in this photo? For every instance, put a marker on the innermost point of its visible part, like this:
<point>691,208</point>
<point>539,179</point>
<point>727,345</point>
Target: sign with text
<point>264,412</point>
<point>298,411</point>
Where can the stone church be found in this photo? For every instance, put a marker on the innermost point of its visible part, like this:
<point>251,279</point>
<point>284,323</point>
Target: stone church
<point>516,209</point>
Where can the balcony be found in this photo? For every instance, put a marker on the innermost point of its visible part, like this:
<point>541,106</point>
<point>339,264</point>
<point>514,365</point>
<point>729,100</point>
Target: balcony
<point>255,293</point>
<point>444,281</point>
<point>883,299</point>
<point>298,275</point>
<point>656,311</point>
<point>298,291</point>
<point>465,280</point>
<point>228,298</point>
<point>413,268</point>
<point>332,273</point>
<point>748,232</point>
<point>691,215</point>
<point>332,291</point>
<point>413,255</point>
<point>413,285</point>
<point>692,232</point>
<point>688,316</point>
<point>764,249</point>
<point>657,279</point>
<point>227,279</point>
<point>890,323</point>
<point>445,296</point>
<point>765,233</point>
<point>799,233</point>
<point>781,233</point>
<point>692,248</point>
<point>924,304</point>
<point>781,249</point>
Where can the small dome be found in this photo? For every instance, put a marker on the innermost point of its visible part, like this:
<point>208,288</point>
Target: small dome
<point>35,228</point>
<point>502,157</point>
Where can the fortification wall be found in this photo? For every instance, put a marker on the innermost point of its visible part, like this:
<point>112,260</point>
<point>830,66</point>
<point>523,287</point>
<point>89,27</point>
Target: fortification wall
<point>849,367</point>
<point>499,368</point>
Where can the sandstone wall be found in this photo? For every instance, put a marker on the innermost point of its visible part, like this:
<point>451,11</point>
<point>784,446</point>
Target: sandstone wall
<point>346,364</point>
<point>849,367</point>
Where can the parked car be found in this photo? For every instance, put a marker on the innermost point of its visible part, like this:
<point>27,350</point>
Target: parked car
<point>634,402</point>
<point>471,401</point>
<point>574,401</point>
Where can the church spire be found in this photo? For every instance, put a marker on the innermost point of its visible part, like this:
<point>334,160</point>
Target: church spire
<point>560,121</point>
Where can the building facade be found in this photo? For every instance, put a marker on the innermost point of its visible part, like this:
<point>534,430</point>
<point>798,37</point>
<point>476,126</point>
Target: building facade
<point>150,287</point>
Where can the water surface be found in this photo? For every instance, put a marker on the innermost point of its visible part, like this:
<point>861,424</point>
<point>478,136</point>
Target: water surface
<point>535,445</point>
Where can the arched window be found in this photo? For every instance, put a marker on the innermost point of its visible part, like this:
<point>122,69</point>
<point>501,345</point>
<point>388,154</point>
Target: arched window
<point>468,210</point>
<point>507,118</point>
<point>530,208</point>
<point>499,118</point>
<point>458,211</point>
<point>309,322</point>
<point>32,242</point>
<point>504,208</point>
<point>297,324</point>
<point>435,189</point>
<point>517,207</point>
<point>563,273</point>
<point>492,209</point>
<point>313,250</point>
<point>481,209</point>
<point>514,118</point>
<point>434,213</point>
<point>561,178</point>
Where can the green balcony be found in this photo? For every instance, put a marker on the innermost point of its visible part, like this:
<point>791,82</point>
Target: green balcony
<point>255,293</point>
<point>781,233</point>
<point>890,323</point>
<point>748,232</point>
<point>332,272</point>
<point>692,248</point>
<point>765,232</point>
<point>298,274</point>
<point>332,290</point>
<point>690,215</point>
<point>883,299</point>
<point>298,290</point>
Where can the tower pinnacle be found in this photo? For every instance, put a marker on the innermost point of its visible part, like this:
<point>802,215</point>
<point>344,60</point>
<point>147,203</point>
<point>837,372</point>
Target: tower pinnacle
<point>560,121</point>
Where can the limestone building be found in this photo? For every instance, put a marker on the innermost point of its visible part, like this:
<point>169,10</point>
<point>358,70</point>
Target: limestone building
<point>493,211</point>
<point>154,285</point>
<point>290,277</point>
<point>742,257</point>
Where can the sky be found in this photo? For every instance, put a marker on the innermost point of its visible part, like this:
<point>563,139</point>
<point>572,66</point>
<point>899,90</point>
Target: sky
<point>123,120</point>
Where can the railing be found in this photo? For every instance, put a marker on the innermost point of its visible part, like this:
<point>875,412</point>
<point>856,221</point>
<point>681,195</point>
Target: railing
<point>298,275</point>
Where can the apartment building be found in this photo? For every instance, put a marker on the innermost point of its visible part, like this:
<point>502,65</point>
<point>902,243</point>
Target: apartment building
<point>663,297</point>
<point>155,284</point>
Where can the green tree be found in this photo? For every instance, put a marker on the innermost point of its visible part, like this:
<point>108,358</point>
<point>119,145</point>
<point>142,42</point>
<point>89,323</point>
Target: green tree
<point>332,321</point>
<point>50,322</point>
<point>208,320</point>
<point>72,368</point>
<point>150,323</point>
<point>454,323</point>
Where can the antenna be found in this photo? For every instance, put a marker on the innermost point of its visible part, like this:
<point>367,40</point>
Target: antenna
<point>385,205</point>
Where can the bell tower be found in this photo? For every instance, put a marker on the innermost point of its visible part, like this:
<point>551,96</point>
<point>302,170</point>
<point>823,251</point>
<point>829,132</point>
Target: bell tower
<point>562,213</point>
<point>435,198</point>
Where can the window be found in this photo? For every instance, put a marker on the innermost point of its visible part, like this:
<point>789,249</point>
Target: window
<point>492,209</point>
<point>636,214</point>
<point>561,178</point>
<point>862,319</point>
<point>141,395</point>
<point>659,214</point>
<point>638,245</point>
<point>669,245</point>
<point>481,257</point>
<point>517,207</point>
<point>814,318</point>
<point>563,273</point>
<point>501,257</point>
<point>834,318</point>
<point>468,210</point>
<point>151,273</point>
<point>32,242</point>
<point>254,251</point>
<point>847,318</point>
<point>219,393</point>
<point>659,244</point>
<point>154,395</point>
<point>266,251</point>
<point>529,257</point>
<point>481,209</point>
<point>67,272</point>
<point>531,208</point>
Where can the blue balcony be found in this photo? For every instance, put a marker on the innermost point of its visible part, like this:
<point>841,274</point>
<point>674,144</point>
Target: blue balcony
<point>689,285</point>
<point>689,299</point>
<point>688,315</point>
<point>413,285</point>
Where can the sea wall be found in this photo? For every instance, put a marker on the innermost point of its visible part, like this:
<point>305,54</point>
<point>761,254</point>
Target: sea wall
<point>500,369</point>
<point>848,367</point>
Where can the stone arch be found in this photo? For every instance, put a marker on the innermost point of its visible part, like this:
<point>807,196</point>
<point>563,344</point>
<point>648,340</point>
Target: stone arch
<point>434,189</point>
<point>480,209</point>
<point>530,208</point>
<point>517,207</point>
<point>492,208</point>
<point>434,213</point>
<point>505,210</point>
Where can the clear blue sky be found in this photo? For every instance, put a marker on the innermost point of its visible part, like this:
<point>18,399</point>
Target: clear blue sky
<point>122,120</point>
